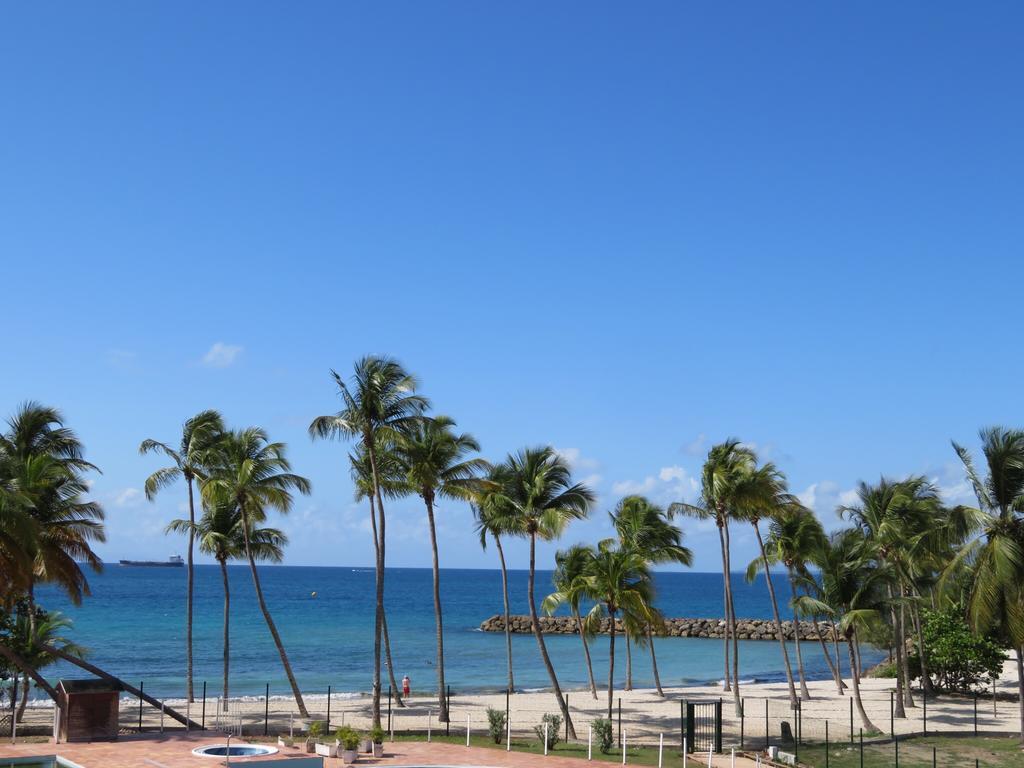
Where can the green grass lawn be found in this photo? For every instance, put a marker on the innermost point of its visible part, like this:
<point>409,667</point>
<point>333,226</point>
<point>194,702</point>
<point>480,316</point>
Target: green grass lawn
<point>917,753</point>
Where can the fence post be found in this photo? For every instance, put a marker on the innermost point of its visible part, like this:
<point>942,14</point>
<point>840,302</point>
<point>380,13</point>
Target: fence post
<point>567,718</point>
<point>861,748</point>
<point>851,719</point>
<point>684,752</point>
<point>430,716</point>
<point>620,722</point>
<point>826,744</point>
<point>204,705</point>
<point>623,748</point>
<point>467,730</point>
<point>448,707</point>
<point>508,734</point>
<point>892,716</point>
<point>661,747</point>
<point>682,727</point>
<point>545,738</point>
<point>975,713</point>
<point>508,691</point>
<point>743,709</point>
<point>590,742</point>
<point>933,757</point>
<point>767,734</point>
<point>389,707</point>
<point>328,709</point>
<point>161,717</point>
<point>266,713</point>
<point>896,747</point>
<point>924,705</point>
<point>142,687</point>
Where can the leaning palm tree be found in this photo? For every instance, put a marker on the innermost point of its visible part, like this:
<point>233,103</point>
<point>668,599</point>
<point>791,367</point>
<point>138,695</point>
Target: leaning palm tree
<point>725,470</point>
<point>255,475</point>
<point>198,434</point>
<point>380,403</point>
<point>491,522</point>
<point>569,580</point>
<point>435,461</point>
<point>617,581</point>
<point>793,535</point>
<point>537,495</point>
<point>644,528</point>
<point>996,599</point>
<point>218,533</point>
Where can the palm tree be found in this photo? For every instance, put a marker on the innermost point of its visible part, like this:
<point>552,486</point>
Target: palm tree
<point>34,636</point>
<point>490,522</point>
<point>645,529</point>
<point>894,515</point>
<point>996,600</point>
<point>793,535</point>
<point>380,404</point>
<point>219,534</point>
<point>850,588</point>
<point>393,486</point>
<point>618,581</point>
<point>538,497</point>
<point>255,475</point>
<point>723,476</point>
<point>187,463</point>
<point>433,459</point>
<point>569,580</point>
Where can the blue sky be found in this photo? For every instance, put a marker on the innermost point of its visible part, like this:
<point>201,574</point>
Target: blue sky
<point>625,230</point>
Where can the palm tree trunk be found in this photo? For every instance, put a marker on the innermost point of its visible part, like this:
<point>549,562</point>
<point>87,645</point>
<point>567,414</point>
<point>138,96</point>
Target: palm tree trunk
<point>508,629</point>
<point>227,628</point>
<point>835,642</point>
<point>654,662</point>
<point>828,656</point>
<point>586,653</point>
<point>731,625</point>
<point>190,580</point>
<point>267,617</point>
<point>26,686</point>
<point>378,540</point>
<point>611,662</point>
<point>725,610</point>
<point>897,655</point>
<point>19,663</point>
<point>864,719</point>
<point>385,637</point>
<point>775,614</point>
<point>442,710</point>
<point>805,694</point>
<point>535,623</point>
<point>629,659</point>
<point>922,651</point>
<point>904,658</point>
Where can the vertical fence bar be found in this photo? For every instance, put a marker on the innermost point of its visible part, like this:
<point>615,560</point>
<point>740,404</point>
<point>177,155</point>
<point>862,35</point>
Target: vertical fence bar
<point>826,744</point>
<point>851,719</point>
<point>896,748</point>
<point>545,738</point>
<point>328,709</point>
<point>389,707</point>
<point>682,727</point>
<point>508,692</point>
<point>142,687</point>
<point>892,715</point>
<point>861,748</point>
<point>448,707</point>
<point>620,722</point>
<point>590,742</point>
<point>743,710</point>
<point>661,747</point>
<point>467,730</point>
<point>204,706</point>
<point>924,705</point>
<point>767,735</point>
<point>266,713</point>
<point>975,713</point>
<point>567,718</point>
<point>934,758</point>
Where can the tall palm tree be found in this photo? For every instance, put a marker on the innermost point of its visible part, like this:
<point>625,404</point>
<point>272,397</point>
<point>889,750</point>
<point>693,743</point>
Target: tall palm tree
<point>645,529</point>
<point>539,498</point>
<point>380,404</point>
<point>723,475</point>
<point>491,522</point>
<point>569,580</point>
<point>435,462</point>
<point>794,534</point>
<point>198,434</point>
<point>219,534</point>
<point>253,473</point>
<point>996,556</point>
<point>894,515</point>
<point>618,581</point>
<point>393,486</point>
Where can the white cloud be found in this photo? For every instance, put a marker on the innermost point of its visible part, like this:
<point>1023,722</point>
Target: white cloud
<point>576,460</point>
<point>670,484</point>
<point>129,497</point>
<point>849,498</point>
<point>221,355</point>
<point>696,446</point>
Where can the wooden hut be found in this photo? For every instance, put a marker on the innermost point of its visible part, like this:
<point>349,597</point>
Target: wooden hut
<point>88,710</point>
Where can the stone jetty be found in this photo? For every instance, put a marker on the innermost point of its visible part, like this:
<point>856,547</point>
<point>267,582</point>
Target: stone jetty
<point>746,629</point>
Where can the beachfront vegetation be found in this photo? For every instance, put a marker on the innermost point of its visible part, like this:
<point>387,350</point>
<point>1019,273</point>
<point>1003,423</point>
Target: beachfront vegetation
<point>898,576</point>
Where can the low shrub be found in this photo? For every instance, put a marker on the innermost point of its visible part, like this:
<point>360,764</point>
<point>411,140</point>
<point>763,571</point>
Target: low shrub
<point>496,724</point>
<point>348,737</point>
<point>554,724</point>
<point>603,732</point>
<point>316,729</point>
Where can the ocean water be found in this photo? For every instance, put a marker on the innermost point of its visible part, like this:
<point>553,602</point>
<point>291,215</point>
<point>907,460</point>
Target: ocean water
<point>134,626</point>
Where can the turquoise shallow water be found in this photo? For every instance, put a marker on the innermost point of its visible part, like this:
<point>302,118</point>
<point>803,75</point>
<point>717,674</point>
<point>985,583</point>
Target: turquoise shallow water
<point>134,626</point>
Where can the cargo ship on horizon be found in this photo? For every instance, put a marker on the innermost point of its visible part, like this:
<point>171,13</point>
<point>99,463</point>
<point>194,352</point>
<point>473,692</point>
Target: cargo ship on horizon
<point>174,561</point>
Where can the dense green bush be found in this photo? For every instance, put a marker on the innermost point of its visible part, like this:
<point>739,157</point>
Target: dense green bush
<point>554,723</point>
<point>496,724</point>
<point>958,659</point>
<point>603,732</point>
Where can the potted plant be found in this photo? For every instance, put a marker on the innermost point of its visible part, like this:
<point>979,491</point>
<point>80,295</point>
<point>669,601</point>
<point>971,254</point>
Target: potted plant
<point>348,738</point>
<point>316,730</point>
<point>326,749</point>
<point>365,744</point>
<point>377,737</point>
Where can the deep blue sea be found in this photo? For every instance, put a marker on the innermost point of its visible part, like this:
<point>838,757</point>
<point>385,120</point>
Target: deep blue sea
<point>134,626</point>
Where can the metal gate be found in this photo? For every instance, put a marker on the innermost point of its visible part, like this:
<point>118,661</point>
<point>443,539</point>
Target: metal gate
<point>704,726</point>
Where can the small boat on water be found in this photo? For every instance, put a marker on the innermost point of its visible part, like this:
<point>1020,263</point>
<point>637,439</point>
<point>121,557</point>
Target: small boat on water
<point>172,562</point>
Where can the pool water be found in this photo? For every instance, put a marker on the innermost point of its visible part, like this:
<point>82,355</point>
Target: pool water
<point>235,750</point>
